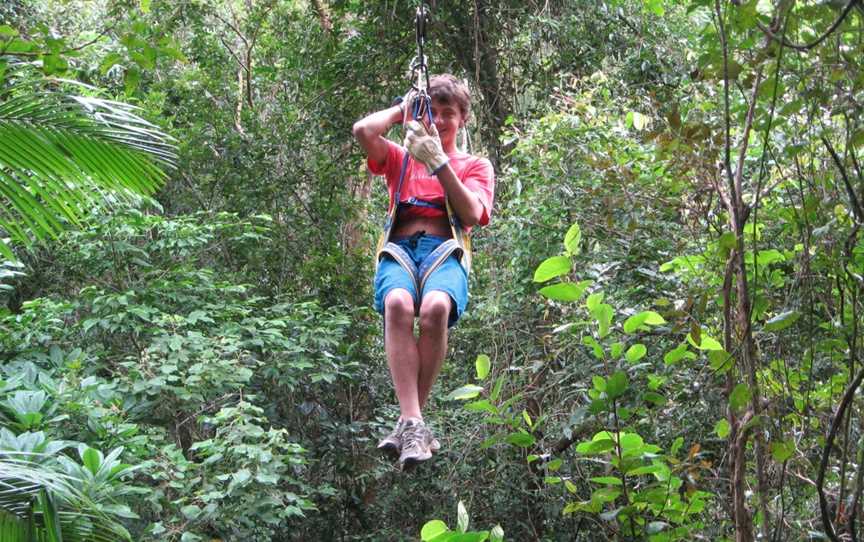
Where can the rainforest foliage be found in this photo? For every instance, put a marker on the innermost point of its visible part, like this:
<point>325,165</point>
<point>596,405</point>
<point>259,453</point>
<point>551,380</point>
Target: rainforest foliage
<point>664,338</point>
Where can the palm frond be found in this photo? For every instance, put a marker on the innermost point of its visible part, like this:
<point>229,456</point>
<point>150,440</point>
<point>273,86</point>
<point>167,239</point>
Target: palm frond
<point>38,503</point>
<point>61,156</point>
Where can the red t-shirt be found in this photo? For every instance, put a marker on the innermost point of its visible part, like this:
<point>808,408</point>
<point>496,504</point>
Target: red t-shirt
<point>475,173</point>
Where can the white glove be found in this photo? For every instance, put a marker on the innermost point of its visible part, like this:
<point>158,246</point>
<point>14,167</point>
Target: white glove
<point>425,146</point>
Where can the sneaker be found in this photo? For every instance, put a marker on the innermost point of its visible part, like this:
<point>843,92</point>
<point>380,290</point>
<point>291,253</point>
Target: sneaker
<point>416,443</point>
<point>392,443</point>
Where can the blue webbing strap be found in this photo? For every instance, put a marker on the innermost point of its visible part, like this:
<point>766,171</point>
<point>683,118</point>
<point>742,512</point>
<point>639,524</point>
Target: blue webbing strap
<point>417,107</point>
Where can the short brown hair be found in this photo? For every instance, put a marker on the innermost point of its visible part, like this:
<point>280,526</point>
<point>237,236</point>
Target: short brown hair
<point>447,89</point>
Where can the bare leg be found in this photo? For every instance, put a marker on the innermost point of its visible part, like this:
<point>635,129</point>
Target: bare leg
<point>432,344</point>
<point>401,348</point>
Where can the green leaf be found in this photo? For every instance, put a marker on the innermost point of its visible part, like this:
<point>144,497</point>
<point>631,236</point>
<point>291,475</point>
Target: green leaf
<point>496,389</point>
<point>722,428</point>
<point>635,352</point>
<point>551,268</point>
<point>603,314</point>
<point>92,459</point>
<point>54,64</point>
<point>676,445</point>
<point>739,398</point>
<point>677,354</point>
<point>461,517</point>
<point>432,529</point>
<point>110,60</point>
<point>131,79</point>
<point>191,512</point>
<point>592,447</point>
<point>597,350</point>
<point>782,450</point>
<point>706,342</point>
<point>7,32</point>
<point>645,317</point>
<point>719,360</point>
<point>572,240</point>
<point>654,398</point>
<point>482,364</point>
<point>613,480</point>
<point>782,321</point>
<point>521,439</point>
<point>145,6</point>
<point>617,385</point>
<point>482,406</point>
<point>565,291</point>
<point>594,301</point>
<point>599,383</point>
<point>468,391</point>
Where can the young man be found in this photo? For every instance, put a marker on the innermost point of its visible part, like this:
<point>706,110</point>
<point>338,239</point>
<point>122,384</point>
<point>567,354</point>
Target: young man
<point>437,173</point>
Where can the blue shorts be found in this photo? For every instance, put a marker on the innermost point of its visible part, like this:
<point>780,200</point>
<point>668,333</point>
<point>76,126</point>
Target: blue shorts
<point>450,277</point>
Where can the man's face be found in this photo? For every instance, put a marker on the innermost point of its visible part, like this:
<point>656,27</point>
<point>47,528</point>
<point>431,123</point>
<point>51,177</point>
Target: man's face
<point>448,120</point>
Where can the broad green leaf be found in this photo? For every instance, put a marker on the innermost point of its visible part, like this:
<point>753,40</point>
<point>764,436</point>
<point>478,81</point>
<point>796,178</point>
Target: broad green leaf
<point>603,314</point>
<point>432,529</point>
<point>631,441</point>
<point>720,360</point>
<point>594,301</point>
<point>782,450</point>
<point>722,428</point>
<point>595,446</point>
<point>599,383</point>
<point>572,240</point>
<point>617,385</point>
<point>551,268</point>
<point>635,353</point>
<point>7,31</point>
<point>482,406</point>
<point>191,511</point>
<point>645,317</point>
<point>782,321</point>
<point>482,364</point>
<point>565,291</point>
<point>521,439</point>
<point>739,398</point>
<point>92,459</point>
<point>654,398</point>
<point>616,350</point>
<point>677,354</point>
<point>706,343</point>
<point>468,391</point>
<point>588,340</point>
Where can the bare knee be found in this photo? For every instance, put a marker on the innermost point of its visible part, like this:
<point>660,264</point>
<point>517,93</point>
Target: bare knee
<point>399,307</point>
<point>435,310</point>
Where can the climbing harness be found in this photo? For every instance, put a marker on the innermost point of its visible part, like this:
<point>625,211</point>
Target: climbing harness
<point>420,106</point>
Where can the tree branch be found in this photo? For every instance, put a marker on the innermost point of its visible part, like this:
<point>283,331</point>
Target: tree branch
<point>820,39</point>
<point>853,199</point>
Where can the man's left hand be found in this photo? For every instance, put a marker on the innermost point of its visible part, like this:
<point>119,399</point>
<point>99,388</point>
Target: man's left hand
<point>425,146</point>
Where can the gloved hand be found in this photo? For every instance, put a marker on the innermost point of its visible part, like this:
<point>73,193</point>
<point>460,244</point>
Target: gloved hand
<point>425,146</point>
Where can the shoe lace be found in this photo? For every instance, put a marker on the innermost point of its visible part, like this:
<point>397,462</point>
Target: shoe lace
<point>412,435</point>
